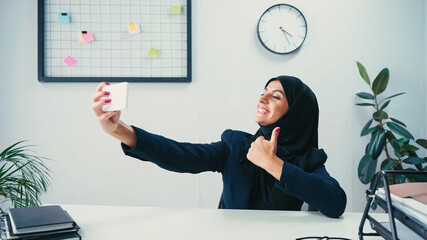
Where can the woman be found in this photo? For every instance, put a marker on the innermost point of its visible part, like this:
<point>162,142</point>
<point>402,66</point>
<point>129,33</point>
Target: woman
<point>279,167</point>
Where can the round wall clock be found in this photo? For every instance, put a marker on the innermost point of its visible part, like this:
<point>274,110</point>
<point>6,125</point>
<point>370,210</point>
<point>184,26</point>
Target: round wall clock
<point>282,29</point>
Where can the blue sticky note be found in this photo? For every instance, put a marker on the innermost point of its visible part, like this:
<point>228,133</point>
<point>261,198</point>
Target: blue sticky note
<point>64,18</point>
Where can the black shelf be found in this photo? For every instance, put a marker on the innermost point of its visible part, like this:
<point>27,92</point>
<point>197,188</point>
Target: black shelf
<point>411,222</point>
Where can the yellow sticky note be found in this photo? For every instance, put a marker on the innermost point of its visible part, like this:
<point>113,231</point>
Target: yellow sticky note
<point>176,9</point>
<point>81,37</point>
<point>153,53</point>
<point>132,27</point>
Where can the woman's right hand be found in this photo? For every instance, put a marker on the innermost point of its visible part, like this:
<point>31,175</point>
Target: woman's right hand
<point>108,120</point>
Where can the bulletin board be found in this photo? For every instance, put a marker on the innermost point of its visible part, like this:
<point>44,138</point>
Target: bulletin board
<point>114,40</point>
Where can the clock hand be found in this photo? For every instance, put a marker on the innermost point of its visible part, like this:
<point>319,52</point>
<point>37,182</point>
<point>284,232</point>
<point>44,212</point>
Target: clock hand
<point>284,33</point>
<point>287,33</point>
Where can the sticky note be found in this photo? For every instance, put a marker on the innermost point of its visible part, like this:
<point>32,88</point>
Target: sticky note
<point>81,37</point>
<point>70,61</point>
<point>64,18</point>
<point>176,9</point>
<point>87,36</point>
<point>153,53</point>
<point>133,28</point>
<point>118,96</point>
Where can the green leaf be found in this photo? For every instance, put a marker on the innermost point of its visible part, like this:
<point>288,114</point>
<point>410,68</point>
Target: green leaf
<point>369,130</point>
<point>388,164</point>
<point>396,147</point>
<point>397,121</point>
<point>365,95</point>
<point>419,167</point>
<point>365,104</point>
<point>379,115</point>
<point>390,136</point>
<point>367,125</point>
<point>422,143</point>
<point>416,178</point>
<point>367,168</point>
<point>363,73</point>
<point>383,163</point>
<point>9,149</point>
<point>23,176</point>
<point>380,82</point>
<point>376,144</point>
<point>385,105</point>
<point>399,178</point>
<point>410,147</point>
<point>395,95</point>
<point>399,130</point>
<point>366,148</point>
<point>414,160</point>
<point>402,151</point>
<point>374,205</point>
<point>403,141</point>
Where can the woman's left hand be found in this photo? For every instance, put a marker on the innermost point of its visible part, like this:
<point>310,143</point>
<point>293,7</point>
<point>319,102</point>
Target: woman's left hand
<point>263,154</point>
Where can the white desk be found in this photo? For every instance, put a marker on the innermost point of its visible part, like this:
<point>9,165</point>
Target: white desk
<point>116,222</point>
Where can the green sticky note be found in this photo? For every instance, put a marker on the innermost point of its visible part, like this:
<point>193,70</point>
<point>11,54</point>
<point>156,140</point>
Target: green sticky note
<point>153,53</point>
<point>64,18</point>
<point>176,9</point>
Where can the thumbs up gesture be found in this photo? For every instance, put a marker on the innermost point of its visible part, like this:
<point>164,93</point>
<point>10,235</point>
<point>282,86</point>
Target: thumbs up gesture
<point>263,152</point>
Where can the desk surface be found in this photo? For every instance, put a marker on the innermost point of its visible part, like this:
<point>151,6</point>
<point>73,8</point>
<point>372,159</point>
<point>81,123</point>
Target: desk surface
<point>117,222</point>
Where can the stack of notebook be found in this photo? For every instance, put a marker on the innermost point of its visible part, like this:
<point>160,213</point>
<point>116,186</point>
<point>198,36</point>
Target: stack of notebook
<point>36,223</point>
<point>410,198</point>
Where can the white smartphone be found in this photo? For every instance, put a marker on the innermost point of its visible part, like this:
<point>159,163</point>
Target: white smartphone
<point>118,95</point>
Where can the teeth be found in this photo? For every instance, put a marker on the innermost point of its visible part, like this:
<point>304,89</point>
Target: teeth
<point>262,110</point>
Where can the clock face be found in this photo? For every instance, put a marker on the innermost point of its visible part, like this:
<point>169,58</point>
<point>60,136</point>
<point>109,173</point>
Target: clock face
<point>282,29</point>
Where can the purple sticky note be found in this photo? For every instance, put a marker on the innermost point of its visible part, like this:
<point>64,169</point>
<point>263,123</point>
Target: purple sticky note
<point>70,61</point>
<point>87,36</point>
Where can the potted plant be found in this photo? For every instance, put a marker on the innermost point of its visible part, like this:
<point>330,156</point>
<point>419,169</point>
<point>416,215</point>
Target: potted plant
<point>23,176</point>
<point>387,135</point>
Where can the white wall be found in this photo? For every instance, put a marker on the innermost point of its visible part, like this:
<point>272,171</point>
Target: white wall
<point>230,68</point>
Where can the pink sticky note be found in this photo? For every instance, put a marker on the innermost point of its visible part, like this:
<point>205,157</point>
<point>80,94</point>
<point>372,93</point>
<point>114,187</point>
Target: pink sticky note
<point>70,61</point>
<point>87,36</point>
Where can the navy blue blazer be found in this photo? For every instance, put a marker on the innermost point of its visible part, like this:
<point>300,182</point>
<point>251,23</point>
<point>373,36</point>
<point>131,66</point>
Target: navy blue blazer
<point>317,188</point>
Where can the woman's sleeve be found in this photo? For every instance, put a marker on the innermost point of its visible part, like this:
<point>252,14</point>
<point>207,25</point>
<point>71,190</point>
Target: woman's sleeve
<point>176,156</point>
<point>318,189</point>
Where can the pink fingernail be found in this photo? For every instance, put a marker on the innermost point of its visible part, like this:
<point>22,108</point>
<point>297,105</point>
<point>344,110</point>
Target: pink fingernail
<point>277,129</point>
<point>107,100</point>
<point>107,83</point>
<point>106,93</point>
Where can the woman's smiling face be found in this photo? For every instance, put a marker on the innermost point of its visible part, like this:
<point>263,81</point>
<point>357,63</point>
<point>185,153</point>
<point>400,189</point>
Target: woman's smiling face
<point>272,104</point>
